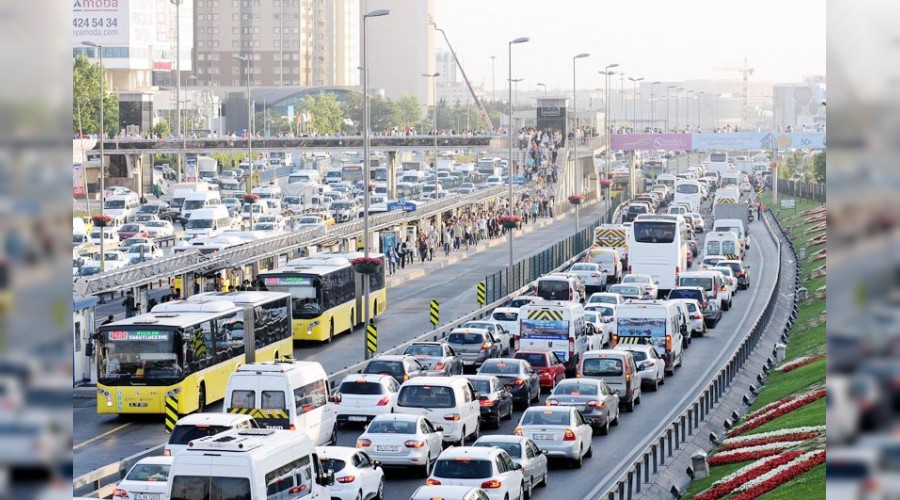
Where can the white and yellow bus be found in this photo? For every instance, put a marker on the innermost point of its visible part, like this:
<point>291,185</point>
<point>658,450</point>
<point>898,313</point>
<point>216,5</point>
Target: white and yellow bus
<point>328,295</point>
<point>186,349</point>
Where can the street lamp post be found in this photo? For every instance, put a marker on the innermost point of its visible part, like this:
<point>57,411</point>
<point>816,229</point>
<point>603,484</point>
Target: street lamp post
<point>99,53</point>
<point>670,87</point>
<point>493,79</point>
<point>652,114</point>
<point>509,164</point>
<point>544,85</point>
<point>433,77</point>
<point>177,4</point>
<point>699,125</point>
<point>578,174</point>
<point>366,176</point>
<point>607,73</point>
<point>634,101</point>
<point>687,110</point>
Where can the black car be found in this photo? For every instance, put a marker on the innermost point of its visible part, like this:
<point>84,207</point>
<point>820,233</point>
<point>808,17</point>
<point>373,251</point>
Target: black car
<point>517,375</point>
<point>401,367</point>
<point>711,313</point>
<point>160,209</point>
<point>741,272</point>
<point>495,399</point>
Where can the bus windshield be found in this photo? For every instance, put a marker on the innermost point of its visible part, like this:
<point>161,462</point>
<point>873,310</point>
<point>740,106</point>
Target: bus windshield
<point>305,293</point>
<point>139,353</point>
<point>654,231</point>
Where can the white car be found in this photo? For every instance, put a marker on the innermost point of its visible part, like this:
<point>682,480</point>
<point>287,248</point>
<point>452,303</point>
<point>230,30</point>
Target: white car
<point>646,281</point>
<point>364,396</point>
<point>232,204</point>
<point>497,330</point>
<point>491,468</point>
<point>651,368</point>
<point>730,278</point>
<point>604,298</point>
<point>144,218</point>
<point>842,415</point>
<point>449,493</point>
<point>400,439</point>
<point>312,221</point>
<point>695,317</point>
<point>523,451</point>
<point>148,251</point>
<point>709,261</point>
<point>159,228</point>
<point>508,318</point>
<point>608,311</point>
<point>356,474</point>
<point>560,430</point>
<point>114,259</point>
<point>601,329</point>
<point>149,478</point>
<point>591,275</point>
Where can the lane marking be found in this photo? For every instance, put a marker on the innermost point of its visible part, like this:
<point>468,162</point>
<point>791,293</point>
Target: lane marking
<point>100,436</point>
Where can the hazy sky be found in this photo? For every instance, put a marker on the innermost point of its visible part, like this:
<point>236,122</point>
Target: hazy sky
<point>783,40</point>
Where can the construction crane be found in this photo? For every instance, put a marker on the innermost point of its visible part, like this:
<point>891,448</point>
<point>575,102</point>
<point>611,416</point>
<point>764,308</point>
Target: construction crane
<point>745,71</point>
<point>481,111</point>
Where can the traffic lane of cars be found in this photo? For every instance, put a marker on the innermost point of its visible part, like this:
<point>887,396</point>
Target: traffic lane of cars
<point>406,317</point>
<point>614,451</point>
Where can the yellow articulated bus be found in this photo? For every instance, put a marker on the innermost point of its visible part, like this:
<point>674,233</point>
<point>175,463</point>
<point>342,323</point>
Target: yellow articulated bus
<point>187,350</point>
<point>328,295</point>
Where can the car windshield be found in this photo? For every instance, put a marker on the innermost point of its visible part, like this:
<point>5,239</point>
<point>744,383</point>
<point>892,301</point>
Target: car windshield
<point>536,359</point>
<point>149,472</point>
<point>426,396</point>
<point>513,449</point>
<point>505,316</point>
<point>389,367</point>
<point>156,223</point>
<point>361,387</point>
<point>605,311</point>
<point>635,279</point>
<point>466,338</point>
<point>591,317</point>
<point>480,324</point>
<point>654,231</point>
<point>516,303</point>
<point>683,294</point>
<point>130,228</point>
<point>602,367</point>
<point>553,289</point>
<point>114,204</point>
<point>199,224</point>
<point>392,427</point>
<point>309,220</point>
<point>625,290</point>
<point>584,267</point>
<point>704,283</point>
<point>575,388</point>
<point>463,468</point>
<point>546,417</point>
<point>606,299</point>
<point>495,367</point>
<point>184,434</point>
<point>424,350</point>
<point>638,355</point>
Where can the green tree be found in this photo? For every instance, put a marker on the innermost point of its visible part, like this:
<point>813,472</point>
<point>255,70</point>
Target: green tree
<point>326,113</point>
<point>409,110</point>
<point>819,167</point>
<point>85,95</point>
<point>161,129</point>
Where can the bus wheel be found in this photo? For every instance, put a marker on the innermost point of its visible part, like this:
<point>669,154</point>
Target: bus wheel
<point>201,398</point>
<point>331,333</point>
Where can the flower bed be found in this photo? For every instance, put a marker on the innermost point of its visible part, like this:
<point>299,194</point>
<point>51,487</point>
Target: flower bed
<point>366,265</point>
<point>576,199</point>
<point>510,221</point>
<point>250,198</point>
<point>744,440</point>
<point>800,436</point>
<point>779,475</point>
<point>775,410</point>
<point>730,483</point>
<point>797,363</point>
<point>101,220</point>
<point>749,453</point>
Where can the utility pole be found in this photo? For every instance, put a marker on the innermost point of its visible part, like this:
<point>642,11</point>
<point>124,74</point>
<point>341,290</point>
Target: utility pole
<point>493,79</point>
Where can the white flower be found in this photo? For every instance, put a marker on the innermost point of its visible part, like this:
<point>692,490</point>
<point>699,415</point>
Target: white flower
<point>747,468</point>
<point>778,470</point>
<point>754,449</point>
<point>772,434</point>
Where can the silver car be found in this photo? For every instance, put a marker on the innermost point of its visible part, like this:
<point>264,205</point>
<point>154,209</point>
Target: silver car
<point>440,358</point>
<point>402,440</point>
<point>591,274</point>
<point>560,430</point>
<point>500,332</point>
<point>522,451</point>
<point>597,402</point>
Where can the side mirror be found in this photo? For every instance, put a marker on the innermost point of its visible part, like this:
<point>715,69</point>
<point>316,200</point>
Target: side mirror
<point>477,395</point>
<point>544,452</point>
<point>517,466</point>
<point>329,477</point>
<point>439,428</point>
<point>376,464</point>
<point>337,398</point>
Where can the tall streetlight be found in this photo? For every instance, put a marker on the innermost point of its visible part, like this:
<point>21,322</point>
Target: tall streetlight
<point>652,114</point>
<point>622,96</point>
<point>433,77</point>
<point>578,174</point>
<point>698,108</point>
<point>99,53</point>
<point>493,79</point>
<point>509,164</point>
<point>366,176</point>
<point>544,85</point>
<point>607,73</point>
<point>177,4</point>
<point>670,87</point>
<point>634,102</point>
<point>687,109</point>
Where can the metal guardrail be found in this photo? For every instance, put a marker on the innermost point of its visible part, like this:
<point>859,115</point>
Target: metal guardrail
<point>158,269</point>
<point>98,478</point>
<point>652,459</point>
<point>814,191</point>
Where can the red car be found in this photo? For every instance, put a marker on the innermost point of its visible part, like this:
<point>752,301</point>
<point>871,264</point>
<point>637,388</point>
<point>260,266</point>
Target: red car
<point>130,230</point>
<point>546,363</point>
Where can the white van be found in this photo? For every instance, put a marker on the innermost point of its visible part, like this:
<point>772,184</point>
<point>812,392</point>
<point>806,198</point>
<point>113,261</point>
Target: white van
<point>199,425</point>
<point>450,402</point>
<point>724,243</point>
<point>711,281</point>
<point>199,201</point>
<point>736,226</point>
<point>558,326</point>
<point>658,323</point>
<point>247,464</point>
<point>559,287</point>
<point>285,395</point>
<point>121,207</point>
<point>609,259</point>
<point>268,192</point>
<point>208,221</point>
<point>305,176</point>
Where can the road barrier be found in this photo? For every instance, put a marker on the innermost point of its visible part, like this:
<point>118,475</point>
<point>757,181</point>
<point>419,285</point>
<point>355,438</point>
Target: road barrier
<point>480,293</point>
<point>372,338</point>
<point>634,475</point>
<point>434,314</point>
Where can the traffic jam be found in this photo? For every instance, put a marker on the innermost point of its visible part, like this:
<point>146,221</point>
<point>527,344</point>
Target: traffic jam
<point>561,361</point>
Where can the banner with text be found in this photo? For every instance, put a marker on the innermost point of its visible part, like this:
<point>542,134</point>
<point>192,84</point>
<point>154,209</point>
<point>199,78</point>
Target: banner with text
<point>714,141</point>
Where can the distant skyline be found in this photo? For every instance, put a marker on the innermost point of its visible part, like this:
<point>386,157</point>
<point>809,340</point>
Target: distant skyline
<point>784,41</point>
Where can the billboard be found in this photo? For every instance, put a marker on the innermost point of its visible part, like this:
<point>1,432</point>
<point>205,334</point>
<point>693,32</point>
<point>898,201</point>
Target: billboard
<point>104,22</point>
<point>633,142</point>
<point>715,141</point>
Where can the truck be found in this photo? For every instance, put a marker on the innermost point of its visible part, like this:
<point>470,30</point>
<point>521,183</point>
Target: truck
<point>182,189</point>
<point>352,173</point>
<point>305,190</point>
<point>489,166</point>
<point>737,210</point>
<point>613,236</point>
<point>207,168</point>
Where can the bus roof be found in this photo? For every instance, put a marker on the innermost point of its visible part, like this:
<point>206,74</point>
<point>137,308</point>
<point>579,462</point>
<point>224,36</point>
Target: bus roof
<point>196,305</point>
<point>169,319</point>
<point>244,297</point>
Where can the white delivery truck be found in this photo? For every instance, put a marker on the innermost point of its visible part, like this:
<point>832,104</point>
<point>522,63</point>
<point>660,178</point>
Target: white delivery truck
<point>182,189</point>
<point>555,325</point>
<point>657,323</point>
<point>207,168</point>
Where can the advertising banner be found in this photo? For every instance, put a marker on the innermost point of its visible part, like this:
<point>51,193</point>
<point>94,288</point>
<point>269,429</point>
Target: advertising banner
<point>642,327</point>
<point>104,22</point>
<point>636,142</point>
<point>77,179</point>
<point>544,329</point>
<point>758,140</point>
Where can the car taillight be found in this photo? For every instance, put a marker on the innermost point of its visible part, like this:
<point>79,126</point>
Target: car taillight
<point>405,376</point>
<point>383,401</point>
<point>440,365</point>
<point>627,375</point>
<point>486,402</point>
<point>345,479</point>
<point>492,484</point>
<point>485,346</point>
<point>596,275</point>
<point>363,443</point>
<point>453,417</point>
<point>615,340</point>
<point>414,444</point>
<point>697,316</point>
<point>120,493</point>
<point>668,343</point>
<point>552,402</point>
<point>167,453</point>
<point>432,482</point>
<point>569,435</point>
<point>518,431</point>
<point>596,404</point>
<point>629,268</point>
<point>517,381</point>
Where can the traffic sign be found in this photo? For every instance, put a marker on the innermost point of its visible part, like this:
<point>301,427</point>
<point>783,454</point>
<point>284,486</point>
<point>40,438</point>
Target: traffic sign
<point>435,314</point>
<point>372,338</point>
<point>480,292</point>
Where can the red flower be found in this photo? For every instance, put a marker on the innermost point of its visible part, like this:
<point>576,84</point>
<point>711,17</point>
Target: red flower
<point>361,261</point>
<point>724,489</point>
<point>734,458</point>
<point>606,183</point>
<point>800,436</point>
<point>576,197</point>
<point>782,478</point>
<point>510,218</point>
<point>784,409</point>
<point>793,366</point>
<point>101,218</point>
<point>251,197</point>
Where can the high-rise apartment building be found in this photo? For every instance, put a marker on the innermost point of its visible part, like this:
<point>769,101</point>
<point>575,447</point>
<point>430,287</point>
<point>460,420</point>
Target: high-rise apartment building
<point>446,66</point>
<point>290,42</point>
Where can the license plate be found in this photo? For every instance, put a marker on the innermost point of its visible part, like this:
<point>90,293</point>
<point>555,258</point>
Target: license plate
<point>357,419</point>
<point>543,437</point>
<point>386,448</point>
<point>147,496</point>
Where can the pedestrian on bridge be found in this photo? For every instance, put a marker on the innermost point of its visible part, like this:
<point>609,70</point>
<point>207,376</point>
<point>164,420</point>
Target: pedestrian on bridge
<point>129,305</point>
